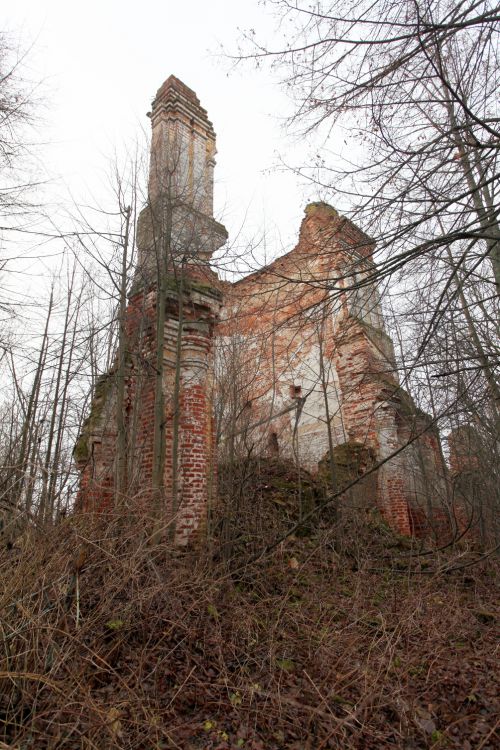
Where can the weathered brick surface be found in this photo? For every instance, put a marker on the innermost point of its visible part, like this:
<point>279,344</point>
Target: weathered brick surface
<point>309,337</point>
<point>302,306</point>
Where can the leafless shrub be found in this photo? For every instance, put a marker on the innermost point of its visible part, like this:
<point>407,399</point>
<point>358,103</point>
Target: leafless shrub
<point>111,640</point>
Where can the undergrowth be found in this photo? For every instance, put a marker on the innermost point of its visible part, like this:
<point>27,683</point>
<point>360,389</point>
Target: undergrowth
<point>111,642</point>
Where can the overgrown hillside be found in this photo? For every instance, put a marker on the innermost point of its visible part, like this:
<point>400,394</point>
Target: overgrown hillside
<point>110,641</point>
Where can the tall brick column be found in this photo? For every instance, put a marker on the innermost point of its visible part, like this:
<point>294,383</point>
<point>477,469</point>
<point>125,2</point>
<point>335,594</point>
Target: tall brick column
<point>196,439</point>
<point>176,237</point>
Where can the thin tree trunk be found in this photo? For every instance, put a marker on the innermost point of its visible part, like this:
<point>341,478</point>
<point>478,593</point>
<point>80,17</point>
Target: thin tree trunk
<point>176,406</point>
<point>331,456</point>
<point>163,261</point>
<point>43,511</point>
<point>121,427</point>
<point>487,218</point>
<point>27,431</point>
<point>61,423</point>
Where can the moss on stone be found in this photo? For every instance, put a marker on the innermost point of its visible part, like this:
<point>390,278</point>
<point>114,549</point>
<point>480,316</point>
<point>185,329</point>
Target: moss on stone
<point>351,460</point>
<point>285,492</point>
<point>81,451</point>
<point>198,286</point>
<point>172,284</point>
<point>315,206</point>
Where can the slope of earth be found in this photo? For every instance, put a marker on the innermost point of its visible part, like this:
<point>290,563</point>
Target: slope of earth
<point>110,641</point>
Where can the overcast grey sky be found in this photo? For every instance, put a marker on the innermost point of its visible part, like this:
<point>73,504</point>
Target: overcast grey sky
<point>101,63</point>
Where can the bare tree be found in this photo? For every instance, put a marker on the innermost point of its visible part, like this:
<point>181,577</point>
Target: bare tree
<point>415,85</point>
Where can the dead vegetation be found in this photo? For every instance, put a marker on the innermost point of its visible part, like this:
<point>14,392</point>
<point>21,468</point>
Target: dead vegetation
<point>110,641</point>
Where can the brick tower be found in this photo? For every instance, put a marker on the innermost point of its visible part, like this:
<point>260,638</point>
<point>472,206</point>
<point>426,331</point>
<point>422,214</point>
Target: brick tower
<point>172,309</point>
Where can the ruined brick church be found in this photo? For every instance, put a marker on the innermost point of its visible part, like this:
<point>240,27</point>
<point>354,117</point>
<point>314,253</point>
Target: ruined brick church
<point>302,340</point>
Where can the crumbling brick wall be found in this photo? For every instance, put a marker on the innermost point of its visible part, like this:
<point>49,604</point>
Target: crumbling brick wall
<point>313,331</point>
<point>302,343</point>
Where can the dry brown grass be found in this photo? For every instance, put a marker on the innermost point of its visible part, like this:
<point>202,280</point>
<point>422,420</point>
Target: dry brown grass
<point>110,642</point>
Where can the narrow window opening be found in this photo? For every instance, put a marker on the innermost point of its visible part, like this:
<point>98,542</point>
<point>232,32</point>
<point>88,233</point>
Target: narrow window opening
<point>295,391</point>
